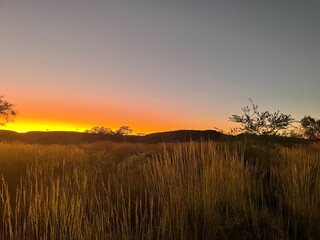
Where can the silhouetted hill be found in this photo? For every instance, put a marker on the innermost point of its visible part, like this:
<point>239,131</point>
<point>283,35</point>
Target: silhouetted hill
<point>58,137</point>
<point>185,135</point>
<point>168,137</point>
<point>76,137</point>
<point>10,136</point>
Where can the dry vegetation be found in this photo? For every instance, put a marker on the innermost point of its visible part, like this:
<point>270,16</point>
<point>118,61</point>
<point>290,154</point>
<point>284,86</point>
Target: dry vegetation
<point>125,191</point>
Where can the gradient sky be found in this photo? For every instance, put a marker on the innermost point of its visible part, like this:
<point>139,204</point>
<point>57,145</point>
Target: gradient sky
<point>157,65</point>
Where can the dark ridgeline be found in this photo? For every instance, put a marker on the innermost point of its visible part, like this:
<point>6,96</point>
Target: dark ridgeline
<point>77,137</point>
<point>63,137</point>
<point>185,135</point>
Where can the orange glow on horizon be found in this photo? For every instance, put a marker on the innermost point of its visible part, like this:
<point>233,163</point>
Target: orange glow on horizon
<point>28,126</point>
<point>44,110</point>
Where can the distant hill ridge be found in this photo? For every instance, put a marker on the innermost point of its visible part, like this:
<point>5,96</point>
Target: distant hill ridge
<point>63,137</point>
<point>185,135</point>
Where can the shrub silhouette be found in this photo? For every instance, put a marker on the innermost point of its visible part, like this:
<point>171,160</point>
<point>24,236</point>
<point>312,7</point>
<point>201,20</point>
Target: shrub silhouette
<point>7,113</point>
<point>122,131</point>
<point>100,130</point>
<point>311,127</point>
<point>261,123</point>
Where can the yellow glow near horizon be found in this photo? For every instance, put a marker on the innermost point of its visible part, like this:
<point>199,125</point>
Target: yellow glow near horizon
<point>27,125</point>
<point>23,127</point>
<point>44,126</point>
<point>70,117</point>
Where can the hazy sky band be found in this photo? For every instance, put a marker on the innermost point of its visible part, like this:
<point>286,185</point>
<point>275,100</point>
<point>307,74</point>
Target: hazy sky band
<point>161,64</point>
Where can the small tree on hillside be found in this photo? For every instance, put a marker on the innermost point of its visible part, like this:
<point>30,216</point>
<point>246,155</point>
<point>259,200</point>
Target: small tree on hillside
<point>6,112</point>
<point>311,127</point>
<point>124,130</point>
<point>261,123</point>
<point>100,130</point>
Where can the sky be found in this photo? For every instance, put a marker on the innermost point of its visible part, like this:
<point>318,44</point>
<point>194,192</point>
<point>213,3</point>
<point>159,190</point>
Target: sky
<point>157,65</point>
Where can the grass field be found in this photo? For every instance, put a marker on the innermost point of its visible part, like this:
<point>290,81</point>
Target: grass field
<point>202,190</point>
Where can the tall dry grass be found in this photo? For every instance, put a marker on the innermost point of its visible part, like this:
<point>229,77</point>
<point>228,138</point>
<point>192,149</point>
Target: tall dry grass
<point>182,191</point>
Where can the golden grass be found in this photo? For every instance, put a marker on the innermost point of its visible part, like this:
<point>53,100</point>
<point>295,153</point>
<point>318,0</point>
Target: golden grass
<point>128,191</point>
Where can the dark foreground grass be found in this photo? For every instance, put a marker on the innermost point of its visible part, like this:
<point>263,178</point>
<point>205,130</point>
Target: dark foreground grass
<point>201,190</point>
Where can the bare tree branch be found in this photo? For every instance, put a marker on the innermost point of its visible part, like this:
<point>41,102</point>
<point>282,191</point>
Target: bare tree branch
<point>7,113</point>
<point>261,123</point>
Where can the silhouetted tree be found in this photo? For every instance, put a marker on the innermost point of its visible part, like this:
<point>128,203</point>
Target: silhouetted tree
<point>6,112</point>
<point>100,130</point>
<point>124,130</point>
<point>261,123</point>
<point>311,127</point>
